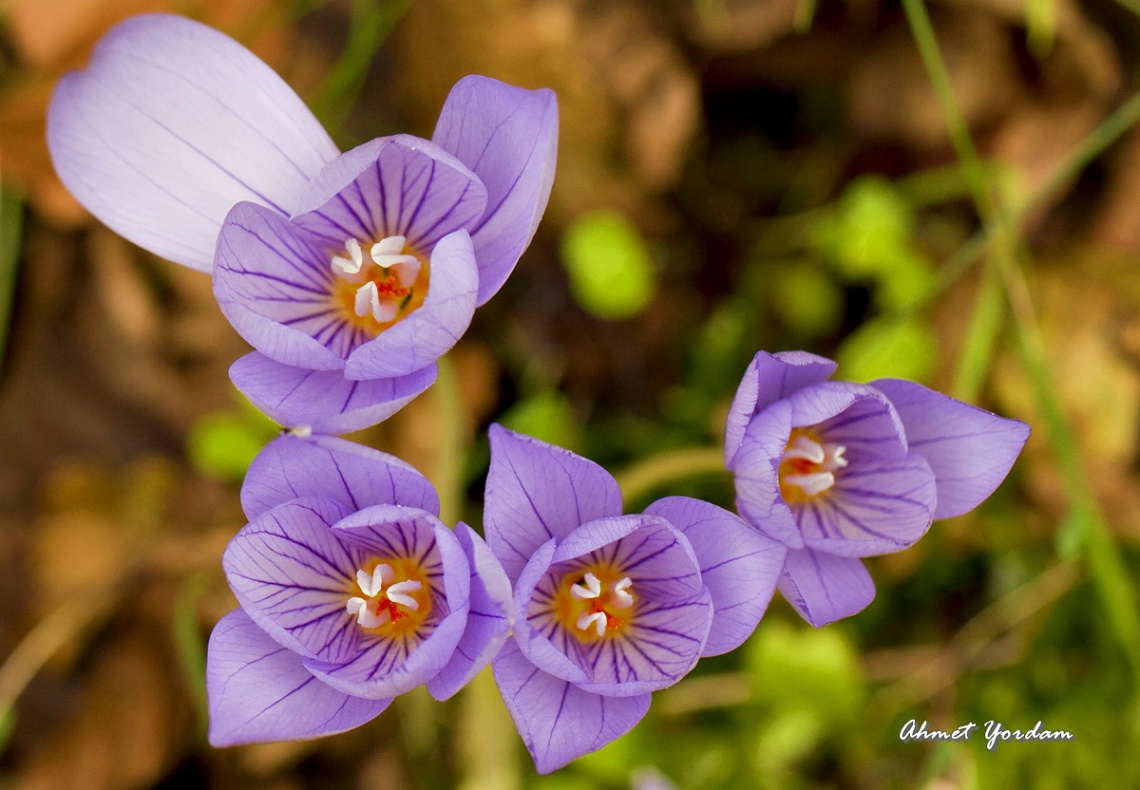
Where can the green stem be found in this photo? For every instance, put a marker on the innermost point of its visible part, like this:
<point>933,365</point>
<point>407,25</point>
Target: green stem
<point>643,477</point>
<point>11,222</point>
<point>452,442</point>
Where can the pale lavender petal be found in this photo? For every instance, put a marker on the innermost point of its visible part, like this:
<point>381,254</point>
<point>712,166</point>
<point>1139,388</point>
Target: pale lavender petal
<point>391,186</point>
<point>854,415</point>
<point>509,137</point>
<point>969,449</point>
<point>558,721</point>
<point>323,400</point>
<point>397,531</point>
<point>544,641</point>
<point>488,621</point>
<point>428,333</point>
<point>875,507</point>
<point>290,467</point>
<point>658,647</point>
<point>292,576</point>
<point>769,378</point>
<point>536,491</point>
<point>387,668</point>
<point>654,555</point>
<point>756,470</point>
<point>824,588</point>
<point>739,566</point>
<point>276,290</point>
<point>171,125</point>
<point>259,691</point>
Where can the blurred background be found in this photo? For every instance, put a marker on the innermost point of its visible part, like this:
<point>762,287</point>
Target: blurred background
<point>948,192</point>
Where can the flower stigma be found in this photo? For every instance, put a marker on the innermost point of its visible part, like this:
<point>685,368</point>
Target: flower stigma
<point>808,466</point>
<point>377,287</point>
<point>390,599</point>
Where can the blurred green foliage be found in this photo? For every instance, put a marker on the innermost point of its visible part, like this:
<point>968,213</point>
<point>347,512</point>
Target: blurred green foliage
<point>609,265</point>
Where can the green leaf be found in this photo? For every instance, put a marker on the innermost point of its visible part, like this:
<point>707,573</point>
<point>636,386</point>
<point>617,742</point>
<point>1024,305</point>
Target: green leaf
<point>609,266</point>
<point>222,445</point>
<point>903,348</point>
<point>547,416</point>
<point>807,301</point>
<point>871,224</point>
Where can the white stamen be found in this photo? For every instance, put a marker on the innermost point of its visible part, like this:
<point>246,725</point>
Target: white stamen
<point>352,264</point>
<point>827,458</point>
<point>592,589</point>
<point>805,448</point>
<point>365,616</point>
<point>811,484</point>
<point>389,251</point>
<point>398,593</point>
<point>368,301</point>
<point>621,595</point>
<point>597,619</point>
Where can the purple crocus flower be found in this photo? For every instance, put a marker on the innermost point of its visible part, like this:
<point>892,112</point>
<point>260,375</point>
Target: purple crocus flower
<point>608,607</point>
<point>352,591</point>
<point>350,274</point>
<point>837,471</point>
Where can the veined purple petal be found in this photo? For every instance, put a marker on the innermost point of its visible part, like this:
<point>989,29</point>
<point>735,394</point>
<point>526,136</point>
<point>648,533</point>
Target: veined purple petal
<point>545,643</point>
<point>293,576</point>
<point>654,555</point>
<point>769,378</point>
<point>658,647</point>
<point>756,468</point>
<point>823,587</point>
<point>854,415</point>
<point>391,186</point>
<point>509,137</point>
<point>558,721</point>
<point>290,467</point>
<point>536,491</point>
<point>397,531</point>
<point>875,507</point>
<point>386,668</point>
<point>428,333</point>
<point>323,400</point>
<point>739,566</point>
<point>488,621</point>
<point>259,691</point>
<point>276,291</point>
<point>970,450</point>
<point>173,123</point>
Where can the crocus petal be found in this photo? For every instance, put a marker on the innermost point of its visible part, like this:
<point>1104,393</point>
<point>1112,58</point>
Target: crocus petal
<point>756,469</point>
<point>386,667</point>
<point>739,566</point>
<point>323,400</point>
<point>391,186</point>
<point>558,721</point>
<point>544,642</point>
<point>854,415</point>
<point>969,449</point>
<point>292,576</point>
<point>488,621</point>
<point>823,587</point>
<point>171,125</point>
<point>509,137</point>
<point>875,507</point>
<point>429,332</point>
<point>536,491</point>
<point>658,648</point>
<point>259,691</point>
<point>275,290</point>
<point>654,555</point>
<point>769,378</point>
<point>290,467</point>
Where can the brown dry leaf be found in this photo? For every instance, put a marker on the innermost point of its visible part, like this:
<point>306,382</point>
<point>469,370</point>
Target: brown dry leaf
<point>123,730</point>
<point>1117,223</point>
<point>890,94</point>
<point>617,75</point>
<point>740,25</point>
